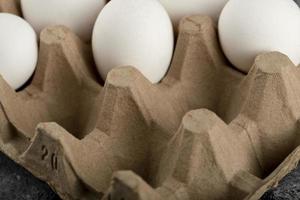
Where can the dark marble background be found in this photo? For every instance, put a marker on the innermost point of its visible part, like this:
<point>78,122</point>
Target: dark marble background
<point>288,188</point>
<point>18,184</point>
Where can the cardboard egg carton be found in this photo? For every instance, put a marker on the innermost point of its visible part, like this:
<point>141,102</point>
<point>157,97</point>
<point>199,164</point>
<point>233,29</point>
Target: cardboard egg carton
<point>206,131</point>
<point>10,6</point>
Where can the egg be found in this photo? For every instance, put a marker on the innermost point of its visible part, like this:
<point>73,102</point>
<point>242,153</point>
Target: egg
<point>78,15</point>
<point>134,33</point>
<point>178,9</point>
<point>248,28</point>
<point>18,50</point>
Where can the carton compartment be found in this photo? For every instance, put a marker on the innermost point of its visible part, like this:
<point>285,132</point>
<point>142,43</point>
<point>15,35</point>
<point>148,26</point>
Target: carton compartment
<point>206,131</point>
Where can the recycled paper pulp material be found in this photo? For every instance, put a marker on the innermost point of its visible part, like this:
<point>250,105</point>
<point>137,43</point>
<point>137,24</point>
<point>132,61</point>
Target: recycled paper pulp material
<point>206,131</point>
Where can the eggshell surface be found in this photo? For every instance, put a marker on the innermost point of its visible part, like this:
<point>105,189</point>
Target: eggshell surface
<point>18,50</point>
<point>78,15</point>
<point>248,28</point>
<point>178,9</point>
<point>134,33</point>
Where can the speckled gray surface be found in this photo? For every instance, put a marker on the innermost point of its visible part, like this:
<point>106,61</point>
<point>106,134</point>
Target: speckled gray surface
<point>288,188</point>
<point>298,2</point>
<point>18,184</point>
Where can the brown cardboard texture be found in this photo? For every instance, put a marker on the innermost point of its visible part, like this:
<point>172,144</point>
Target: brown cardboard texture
<point>10,6</point>
<point>205,132</point>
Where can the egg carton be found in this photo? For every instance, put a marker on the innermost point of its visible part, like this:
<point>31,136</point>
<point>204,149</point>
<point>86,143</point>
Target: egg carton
<point>10,6</point>
<point>207,131</point>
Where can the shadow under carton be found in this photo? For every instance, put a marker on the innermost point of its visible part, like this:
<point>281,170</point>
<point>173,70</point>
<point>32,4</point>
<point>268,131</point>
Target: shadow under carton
<point>71,132</point>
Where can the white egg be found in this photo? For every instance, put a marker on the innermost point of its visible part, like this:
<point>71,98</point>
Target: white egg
<point>178,9</point>
<point>138,33</point>
<point>18,50</point>
<point>247,28</point>
<point>78,15</point>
